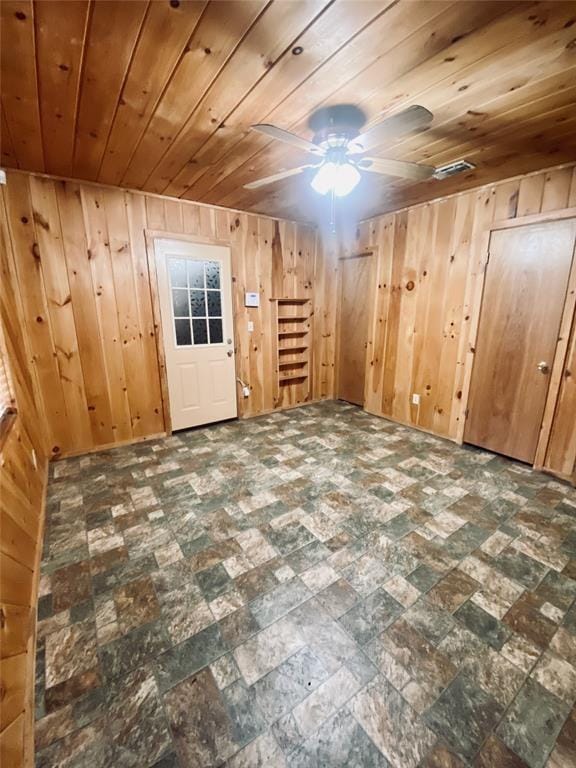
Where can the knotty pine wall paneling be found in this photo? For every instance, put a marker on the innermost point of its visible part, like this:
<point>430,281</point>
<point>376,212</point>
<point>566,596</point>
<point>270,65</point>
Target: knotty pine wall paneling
<point>23,473</point>
<point>431,262</point>
<point>82,271</point>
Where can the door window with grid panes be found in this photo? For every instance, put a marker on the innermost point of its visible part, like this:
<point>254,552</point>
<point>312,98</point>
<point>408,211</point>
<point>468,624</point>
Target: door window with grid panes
<point>196,293</point>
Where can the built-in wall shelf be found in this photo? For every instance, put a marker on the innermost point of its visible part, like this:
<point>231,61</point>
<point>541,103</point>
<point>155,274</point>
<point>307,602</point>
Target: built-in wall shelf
<point>298,377</point>
<point>292,363</point>
<point>291,301</point>
<point>292,319</point>
<point>291,350</point>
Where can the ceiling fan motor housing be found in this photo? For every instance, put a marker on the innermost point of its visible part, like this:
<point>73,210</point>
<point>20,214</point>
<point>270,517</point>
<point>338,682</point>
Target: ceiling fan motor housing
<point>335,126</point>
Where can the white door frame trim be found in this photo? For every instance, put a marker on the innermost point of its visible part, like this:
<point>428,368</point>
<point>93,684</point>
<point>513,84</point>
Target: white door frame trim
<point>150,236</point>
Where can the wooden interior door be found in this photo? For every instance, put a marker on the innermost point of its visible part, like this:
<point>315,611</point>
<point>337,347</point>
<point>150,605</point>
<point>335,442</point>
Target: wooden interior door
<point>524,295</point>
<point>195,294</point>
<point>356,292</point>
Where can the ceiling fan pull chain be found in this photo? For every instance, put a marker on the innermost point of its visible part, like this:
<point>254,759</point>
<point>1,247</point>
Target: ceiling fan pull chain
<point>333,210</point>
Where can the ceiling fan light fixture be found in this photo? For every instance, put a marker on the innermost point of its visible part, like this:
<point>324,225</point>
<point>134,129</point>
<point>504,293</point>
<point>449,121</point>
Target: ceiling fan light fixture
<point>340,177</point>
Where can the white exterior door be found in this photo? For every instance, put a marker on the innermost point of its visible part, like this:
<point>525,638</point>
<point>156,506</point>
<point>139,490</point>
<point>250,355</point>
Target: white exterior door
<point>195,288</point>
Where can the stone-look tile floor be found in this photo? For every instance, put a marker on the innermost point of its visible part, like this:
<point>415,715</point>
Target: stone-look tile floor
<point>314,588</point>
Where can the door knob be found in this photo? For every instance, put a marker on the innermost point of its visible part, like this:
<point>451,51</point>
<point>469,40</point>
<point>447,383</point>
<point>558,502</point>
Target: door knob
<point>229,353</point>
<point>543,367</point>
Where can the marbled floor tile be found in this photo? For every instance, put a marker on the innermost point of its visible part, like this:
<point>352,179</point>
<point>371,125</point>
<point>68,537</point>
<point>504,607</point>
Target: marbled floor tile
<point>433,623</point>
<point>71,585</point>
<point>424,578</point>
<point>256,582</point>
<point>338,598</point>
<point>279,601</point>
<point>309,555</point>
<point>557,676</point>
<point>245,717</point>
<point>426,663</point>
<point>520,568</point>
<point>186,658</point>
<point>137,723</point>
<point>564,644</point>
<point>452,590</point>
<point>441,757</point>
<point>392,724</point>
<point>314,588</point>
<point>487,627</point>
<point>533,723</point>
<point>136,603</point>
<point>526,619</point>
<point>69,652</point>
<point>133,649</point>
<point>199,721</point>
<point>564,752</point>
<point>213,581</point>
<point>495,754</point>
<point>225,671</point>
<point>324,701</point>
<point>371,616</point>
<point>323,635</point>
<point>86,747</point>
<point>366,574</point>
<point>557,589</point>
<point>266,650</point>
<point>289,683</point>
<point>464,715</point>
<point>67,691</point>
<point>238,626</point>
<point>185,612</point>
<point>263,752</point>
<point>339,743</point>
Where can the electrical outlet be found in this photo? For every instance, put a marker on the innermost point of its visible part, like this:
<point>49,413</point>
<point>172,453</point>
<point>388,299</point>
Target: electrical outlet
<point>415,399</point>
<point>246,391</point>
<point>250,326</point>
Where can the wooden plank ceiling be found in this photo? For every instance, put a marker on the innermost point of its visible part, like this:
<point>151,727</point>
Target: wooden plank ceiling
<point>160,95</point>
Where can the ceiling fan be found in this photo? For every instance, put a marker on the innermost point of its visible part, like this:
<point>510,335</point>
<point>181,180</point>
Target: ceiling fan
<point>341,150</point>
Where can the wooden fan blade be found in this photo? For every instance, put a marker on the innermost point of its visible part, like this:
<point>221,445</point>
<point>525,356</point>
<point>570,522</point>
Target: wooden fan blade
<point>396,168</point>
<point>276,177</point>
<point>403,122</point>
<point>289,138</point>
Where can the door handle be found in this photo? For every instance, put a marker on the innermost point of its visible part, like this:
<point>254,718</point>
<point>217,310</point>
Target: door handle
<point>543,367</point>
<point>229,353</point>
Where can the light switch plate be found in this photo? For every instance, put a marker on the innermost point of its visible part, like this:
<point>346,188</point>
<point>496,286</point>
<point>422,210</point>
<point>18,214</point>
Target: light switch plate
<point>415,399</point>
<point>250,326</point>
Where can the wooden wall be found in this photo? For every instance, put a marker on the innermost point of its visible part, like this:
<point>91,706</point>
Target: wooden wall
<point>23,471</point>
<point>83,280</point>
<point>430,261</point>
